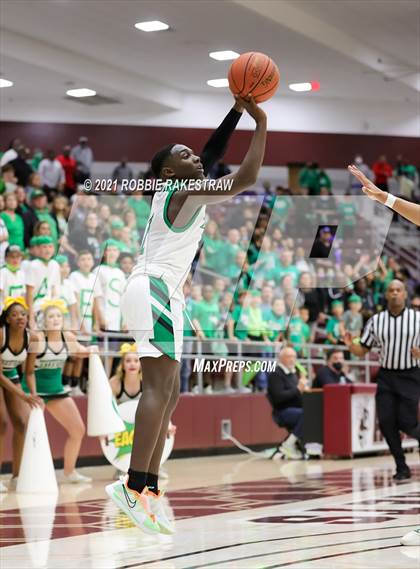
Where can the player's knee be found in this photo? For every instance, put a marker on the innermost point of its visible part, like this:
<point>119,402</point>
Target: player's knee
<point>19,424</point>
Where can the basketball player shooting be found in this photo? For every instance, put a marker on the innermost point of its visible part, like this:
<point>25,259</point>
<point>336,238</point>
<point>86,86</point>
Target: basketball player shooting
<point>153,304</point>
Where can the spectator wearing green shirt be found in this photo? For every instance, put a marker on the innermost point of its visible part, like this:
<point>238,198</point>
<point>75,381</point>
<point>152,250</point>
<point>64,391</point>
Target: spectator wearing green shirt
<point>313,179</point>
<point>347,210</point>
<point>285,267</point>
<point>13,221</point>
<point>206,313</point>
<point>334,324</point>
<point>206,316</point>
<point>237,326</point>
<point>266,263</point>
<point>298,331</point>
<point>212,253</point>
<point>230,250</point>
<point>257,329</point>
<point>275,320</point>
<point>280,206</point>
<point>40,207</point>
<point>219,285</point>
<point>117,235</point>
<point>141,207</point>
<point>352,318</point>
<point>267,296</point>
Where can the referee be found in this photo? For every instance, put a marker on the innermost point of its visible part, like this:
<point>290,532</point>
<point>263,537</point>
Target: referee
<point>396,331</point>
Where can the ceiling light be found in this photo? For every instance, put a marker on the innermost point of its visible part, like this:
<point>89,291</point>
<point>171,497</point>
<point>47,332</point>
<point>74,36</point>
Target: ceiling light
<point>81,93</point>
<point>5,83</point>
<point>302,87</point>
<point>218,82</point>
<point>153,26</point>
<point>223,55</point>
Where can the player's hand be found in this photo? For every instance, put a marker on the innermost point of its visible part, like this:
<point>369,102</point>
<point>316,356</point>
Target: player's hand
<point>415,352</point>
<point>368,187</point>
<point>252,108</point>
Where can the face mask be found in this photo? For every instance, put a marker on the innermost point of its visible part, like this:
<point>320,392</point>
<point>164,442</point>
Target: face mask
<point>10,187</point>
<point>338,366</point>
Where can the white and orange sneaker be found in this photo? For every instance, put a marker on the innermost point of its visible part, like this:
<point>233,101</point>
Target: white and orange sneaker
<point>157,507</point>
<point>136,506</point>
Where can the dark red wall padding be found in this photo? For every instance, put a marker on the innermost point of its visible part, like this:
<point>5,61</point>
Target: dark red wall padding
<point>197,418</point>
<point>139,143</point>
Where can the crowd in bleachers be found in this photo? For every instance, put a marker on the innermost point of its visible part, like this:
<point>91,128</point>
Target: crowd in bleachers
<point>252,278</point>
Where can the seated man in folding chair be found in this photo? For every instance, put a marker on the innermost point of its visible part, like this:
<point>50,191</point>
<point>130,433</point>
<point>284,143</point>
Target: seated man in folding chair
<point>285,387</point>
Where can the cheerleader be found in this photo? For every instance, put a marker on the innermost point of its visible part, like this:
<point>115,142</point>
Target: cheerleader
<point>14,342</point>
<point>44,377</point>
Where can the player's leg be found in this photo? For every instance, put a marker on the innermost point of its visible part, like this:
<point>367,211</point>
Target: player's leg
<point>19,414</point>
<point>160,444</point>
<point>65,412</point>
<point>157,386</point>
<point>157,506</point>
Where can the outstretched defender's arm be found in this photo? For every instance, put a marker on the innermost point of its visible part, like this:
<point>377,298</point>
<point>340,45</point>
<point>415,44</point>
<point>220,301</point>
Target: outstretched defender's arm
<point>410,211</point>
<point>216,145</point>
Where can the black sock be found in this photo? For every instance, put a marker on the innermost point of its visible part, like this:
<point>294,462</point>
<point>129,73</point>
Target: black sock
<point>152,482</point>
<point>74,381</point>
<point>136,480</point>
<point>66,380</point>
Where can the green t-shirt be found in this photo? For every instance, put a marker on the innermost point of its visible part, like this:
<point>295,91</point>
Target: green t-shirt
<point>274,324</point>
<point>279,272</point>
<point>229,255</point>
<point>44,215</point>
<point>142,210</point>
<point>333,327</point>
<point>240,317</point>
<point>213,253</point>
<point>256,324</point>
<point>298,331</point>
<point>15,228</point>
<point>208,314</point>
<point>348,213</point>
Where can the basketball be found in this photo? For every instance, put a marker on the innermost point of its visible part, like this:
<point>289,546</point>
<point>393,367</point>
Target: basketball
<point>254,74</point>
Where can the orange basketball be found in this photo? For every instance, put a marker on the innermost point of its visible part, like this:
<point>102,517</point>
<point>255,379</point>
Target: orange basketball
<point>254,74</point>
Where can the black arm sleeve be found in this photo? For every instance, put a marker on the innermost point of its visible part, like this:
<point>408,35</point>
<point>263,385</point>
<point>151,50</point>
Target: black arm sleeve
<point>217,143</point>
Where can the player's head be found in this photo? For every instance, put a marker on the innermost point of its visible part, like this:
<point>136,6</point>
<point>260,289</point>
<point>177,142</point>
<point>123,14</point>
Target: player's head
<point>15,313</point>
<point>396,295</point>
<point>13,255</point>
<point>85,261</point>
<point>177,162</point>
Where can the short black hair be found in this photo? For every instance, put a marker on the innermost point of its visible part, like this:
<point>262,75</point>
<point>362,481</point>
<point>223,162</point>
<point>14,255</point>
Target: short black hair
<point>332,352</point>
<point>160,158</point>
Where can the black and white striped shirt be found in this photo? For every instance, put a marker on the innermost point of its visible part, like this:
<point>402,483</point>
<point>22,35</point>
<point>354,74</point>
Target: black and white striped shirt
<point>394,336</point>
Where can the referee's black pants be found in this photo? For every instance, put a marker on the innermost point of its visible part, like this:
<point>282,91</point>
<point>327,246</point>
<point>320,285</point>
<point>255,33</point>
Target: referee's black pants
<point>397,400</point>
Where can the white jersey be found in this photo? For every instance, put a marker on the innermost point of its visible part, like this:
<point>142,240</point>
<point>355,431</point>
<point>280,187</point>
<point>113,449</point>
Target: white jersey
<point>9,359</point>
<point>87,288</point>
<point>68,295</point>
<point>167,252</point>
<point>49,359</point>
<point>12,283</point>
<point>45,279</point>
<point>112,282</point>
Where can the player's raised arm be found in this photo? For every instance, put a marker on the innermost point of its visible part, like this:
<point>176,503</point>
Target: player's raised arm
<point>247,174</point>
<point>216,145</point>
<point>410,211</point>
